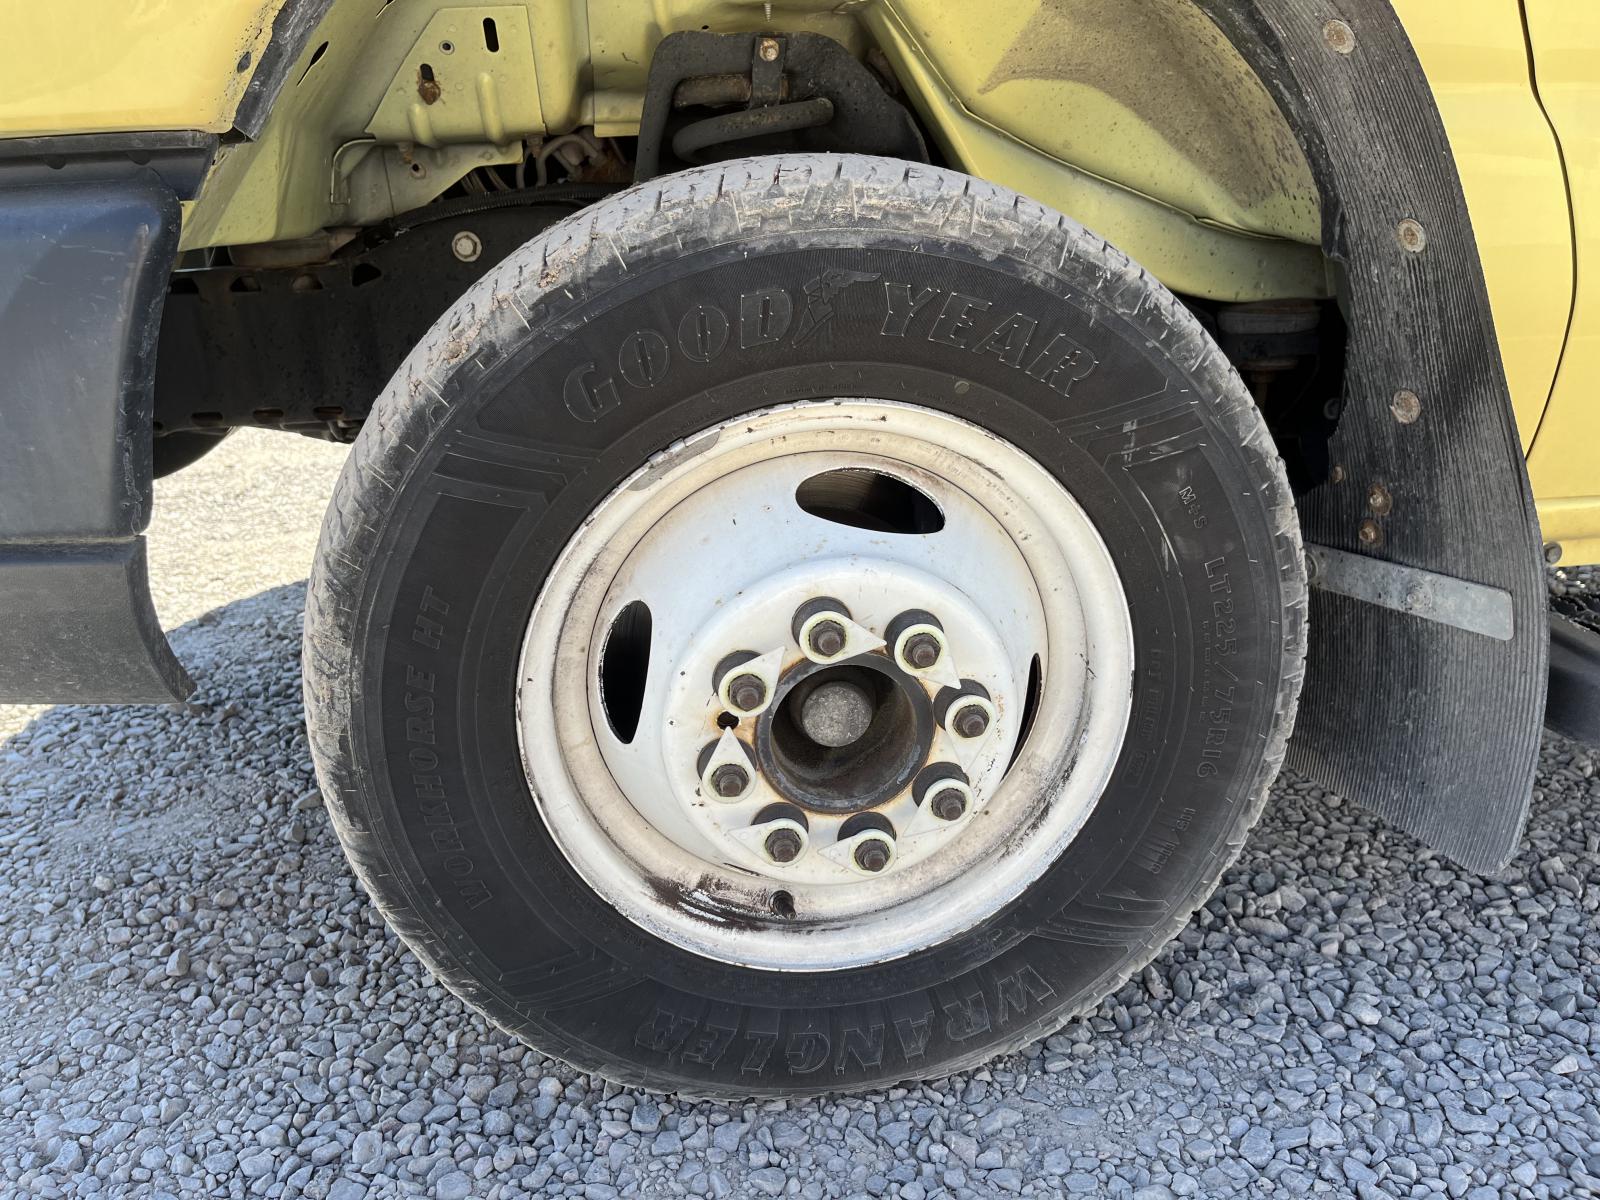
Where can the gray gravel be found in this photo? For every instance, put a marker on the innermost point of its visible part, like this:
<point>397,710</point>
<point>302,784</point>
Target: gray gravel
<point>201,1001</point>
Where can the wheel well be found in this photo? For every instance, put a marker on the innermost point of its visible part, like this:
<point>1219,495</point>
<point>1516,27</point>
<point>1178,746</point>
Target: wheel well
<point>372,139</point>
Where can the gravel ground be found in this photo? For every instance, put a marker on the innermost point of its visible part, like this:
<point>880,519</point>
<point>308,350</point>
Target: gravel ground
<point>202,1002</point>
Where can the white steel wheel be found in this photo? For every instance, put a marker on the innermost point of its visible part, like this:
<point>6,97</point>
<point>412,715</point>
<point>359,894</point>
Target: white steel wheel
<point>826,685</point>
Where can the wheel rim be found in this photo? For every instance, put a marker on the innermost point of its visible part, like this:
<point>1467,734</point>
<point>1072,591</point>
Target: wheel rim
<point>882,681</point>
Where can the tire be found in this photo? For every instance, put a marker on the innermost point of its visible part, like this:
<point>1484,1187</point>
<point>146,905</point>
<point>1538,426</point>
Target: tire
<point>507,429</point>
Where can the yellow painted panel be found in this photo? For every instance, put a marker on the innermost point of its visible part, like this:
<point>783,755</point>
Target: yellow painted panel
<point>92,66</point>
<point>1566,455</point>
<point>1475,56</point>
<point>1151,95</point>
<point>1187,253</point>
<point>1573,523</point>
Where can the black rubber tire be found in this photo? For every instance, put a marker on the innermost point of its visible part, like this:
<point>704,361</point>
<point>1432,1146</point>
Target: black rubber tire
<point>483,456</point>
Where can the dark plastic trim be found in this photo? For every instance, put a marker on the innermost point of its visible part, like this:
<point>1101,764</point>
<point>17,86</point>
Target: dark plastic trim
<point>179,159</point>
<point>83,271</point>
<point>81,628</point>
<point>1573,709</point>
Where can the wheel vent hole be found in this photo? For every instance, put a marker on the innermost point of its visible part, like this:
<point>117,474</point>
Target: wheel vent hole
<point>871,500</point>
<point>727,721</point>
<point>1030,707</point>
<point>624,666</point>
<point>783,904</point>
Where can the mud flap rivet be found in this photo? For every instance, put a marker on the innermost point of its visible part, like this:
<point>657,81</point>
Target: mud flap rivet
<point>1405,406</point>
<point>1340,37</point>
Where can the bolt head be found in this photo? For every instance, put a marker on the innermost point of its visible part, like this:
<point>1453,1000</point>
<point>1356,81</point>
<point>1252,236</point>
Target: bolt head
<point>1340,37</point>
<point>872,854</point>
<point>466,246</point>
<point>769,49</point>
<point>922,651</point>
<point>729,780</point>
<point>747,692</point>
<point>1411,235</point>
<point>783,845</point>
<point>1369,534</point>
<point>949,804</point>
<point>1379,500</point>
<point>1405,406</point>
<point>1552,553</point>
<point>970,721</point>
<point>826,638</point>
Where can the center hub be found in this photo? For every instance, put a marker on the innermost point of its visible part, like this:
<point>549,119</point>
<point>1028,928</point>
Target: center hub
<point>836,713</point>
<point>841,738</point>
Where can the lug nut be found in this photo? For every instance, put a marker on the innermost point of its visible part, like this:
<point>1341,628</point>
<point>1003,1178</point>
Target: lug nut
<point>970,721</point>
<point>872,854</point>
<point>747,692</point>
<point>729,780</point>
<point>783,845</point>
<point>827,638</point>
<point>922,650</point>
<point>949,804</point>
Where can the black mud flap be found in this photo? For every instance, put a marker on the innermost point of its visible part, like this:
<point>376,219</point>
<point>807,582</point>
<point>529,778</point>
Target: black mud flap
<point>83,268</point>
<point>1573,708</point>
<point>1434,727</point>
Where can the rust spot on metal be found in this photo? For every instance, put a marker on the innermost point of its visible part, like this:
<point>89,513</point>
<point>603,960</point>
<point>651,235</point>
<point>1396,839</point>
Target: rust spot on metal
<point>427,86</point>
